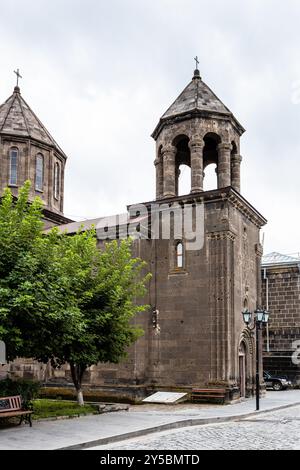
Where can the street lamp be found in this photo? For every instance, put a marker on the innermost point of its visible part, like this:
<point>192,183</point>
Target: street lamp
<point>260,317</point>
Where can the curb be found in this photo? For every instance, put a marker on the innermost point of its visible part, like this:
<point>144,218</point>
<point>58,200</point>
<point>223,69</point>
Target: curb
<point>76,416</point>
<point>169,426</point>
<point>59,418</point>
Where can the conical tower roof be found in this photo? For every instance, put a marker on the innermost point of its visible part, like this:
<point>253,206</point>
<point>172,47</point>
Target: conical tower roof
<point>18,119</point>
<point>196,99</point>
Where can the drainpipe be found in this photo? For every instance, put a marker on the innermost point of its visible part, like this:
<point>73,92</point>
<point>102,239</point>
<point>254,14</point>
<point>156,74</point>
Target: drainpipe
<point>267,306</point>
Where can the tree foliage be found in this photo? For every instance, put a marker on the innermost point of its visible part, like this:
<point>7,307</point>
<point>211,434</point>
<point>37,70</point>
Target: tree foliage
<point>61,297</point>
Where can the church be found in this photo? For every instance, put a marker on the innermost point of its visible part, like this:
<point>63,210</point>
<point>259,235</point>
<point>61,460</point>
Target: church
<point>194,334</point>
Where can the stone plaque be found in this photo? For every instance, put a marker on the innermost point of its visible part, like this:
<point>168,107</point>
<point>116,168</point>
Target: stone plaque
<point>165,398</point>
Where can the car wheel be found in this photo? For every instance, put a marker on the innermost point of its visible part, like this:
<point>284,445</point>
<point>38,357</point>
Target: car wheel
<point>277,386</point>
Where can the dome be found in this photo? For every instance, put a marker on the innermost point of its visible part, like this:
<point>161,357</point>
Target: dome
<point>18,119</point>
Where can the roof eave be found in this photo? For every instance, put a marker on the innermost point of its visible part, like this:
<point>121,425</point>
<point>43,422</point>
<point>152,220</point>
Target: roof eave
<point>168,120</point>
<point>281,265</point>
<point>34,139</point>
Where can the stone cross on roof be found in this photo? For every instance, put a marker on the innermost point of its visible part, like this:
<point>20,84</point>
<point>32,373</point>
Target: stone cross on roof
<point>17,72</point>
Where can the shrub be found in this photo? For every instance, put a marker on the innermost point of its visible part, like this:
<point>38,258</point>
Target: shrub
<point>28,389</point>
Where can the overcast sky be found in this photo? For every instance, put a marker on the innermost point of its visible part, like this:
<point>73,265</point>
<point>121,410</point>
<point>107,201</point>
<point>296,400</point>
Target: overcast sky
<point>99,74</point>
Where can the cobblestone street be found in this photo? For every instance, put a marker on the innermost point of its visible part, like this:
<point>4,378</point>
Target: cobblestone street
<point>277,430</point>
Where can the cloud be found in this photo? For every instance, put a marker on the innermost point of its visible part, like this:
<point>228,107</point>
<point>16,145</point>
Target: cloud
<point>100,74</point>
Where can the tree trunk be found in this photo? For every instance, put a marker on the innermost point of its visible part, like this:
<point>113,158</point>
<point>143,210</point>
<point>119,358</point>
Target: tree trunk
<point>77,371</point>
<point>80,398</point>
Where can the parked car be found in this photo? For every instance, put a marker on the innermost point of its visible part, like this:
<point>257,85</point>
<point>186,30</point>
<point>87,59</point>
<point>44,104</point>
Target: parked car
<point>275,382</point>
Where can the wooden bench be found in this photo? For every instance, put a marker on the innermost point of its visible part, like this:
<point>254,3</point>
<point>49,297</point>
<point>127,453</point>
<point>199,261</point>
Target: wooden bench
<point>208,394</point>
<point>13,406</point>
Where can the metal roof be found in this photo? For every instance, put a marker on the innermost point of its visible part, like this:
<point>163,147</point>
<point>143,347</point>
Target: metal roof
<point>275,259</point>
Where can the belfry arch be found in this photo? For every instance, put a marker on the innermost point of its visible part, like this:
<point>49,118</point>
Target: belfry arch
<point>210,160</point>
<point>182,159</point>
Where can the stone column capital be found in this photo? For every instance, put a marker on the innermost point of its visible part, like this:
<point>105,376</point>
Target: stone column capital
<point>196,143</point>
<point>169,149</point>
<point>237,158</point>
<point>225,146</point>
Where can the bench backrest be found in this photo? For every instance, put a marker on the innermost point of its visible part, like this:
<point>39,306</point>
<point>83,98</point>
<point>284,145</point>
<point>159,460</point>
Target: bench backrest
<point>10,403</point>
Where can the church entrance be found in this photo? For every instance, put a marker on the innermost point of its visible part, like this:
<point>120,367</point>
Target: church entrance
<point>242,369</point>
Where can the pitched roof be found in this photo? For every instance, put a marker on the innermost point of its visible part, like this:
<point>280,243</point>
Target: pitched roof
<point>275,258</point>
<point>196,96</point>
<point>18,119</point>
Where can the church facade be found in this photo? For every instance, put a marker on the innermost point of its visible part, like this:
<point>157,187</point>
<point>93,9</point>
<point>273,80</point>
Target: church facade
<point>194,335</point>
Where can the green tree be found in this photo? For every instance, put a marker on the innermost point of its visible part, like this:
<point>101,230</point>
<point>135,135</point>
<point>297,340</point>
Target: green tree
<point>21,228</point>
<point>62,298</point>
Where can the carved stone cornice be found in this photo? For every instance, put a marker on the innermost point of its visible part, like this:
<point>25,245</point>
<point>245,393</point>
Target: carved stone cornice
<point>224,235</point>
<point>224,194</point>
<point>168,122</point>
<point>247,210</point>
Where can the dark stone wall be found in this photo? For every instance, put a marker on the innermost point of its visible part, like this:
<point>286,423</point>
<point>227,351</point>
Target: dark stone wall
<point>28,151</point>
<point>200,321</point>
<point>284,324</point>
<point>199,306</point>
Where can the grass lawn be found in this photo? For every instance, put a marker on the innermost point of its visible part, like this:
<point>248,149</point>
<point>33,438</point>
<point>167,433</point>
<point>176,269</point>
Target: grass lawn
<point>44,408</point>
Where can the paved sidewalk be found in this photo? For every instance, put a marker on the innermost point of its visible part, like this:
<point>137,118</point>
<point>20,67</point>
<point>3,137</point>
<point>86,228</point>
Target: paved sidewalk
<point>91,431</point>
<point>275,430</point>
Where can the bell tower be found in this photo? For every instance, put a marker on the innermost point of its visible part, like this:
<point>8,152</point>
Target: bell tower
<point>197,130</point>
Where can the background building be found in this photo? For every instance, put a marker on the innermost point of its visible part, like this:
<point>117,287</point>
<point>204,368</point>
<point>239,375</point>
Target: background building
<point>281,295</point>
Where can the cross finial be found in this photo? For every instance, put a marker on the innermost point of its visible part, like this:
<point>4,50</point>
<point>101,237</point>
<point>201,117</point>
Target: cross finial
<point>197,71</point>
<point>17,72</point>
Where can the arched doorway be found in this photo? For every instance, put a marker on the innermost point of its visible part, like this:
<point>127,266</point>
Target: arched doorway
<point>242,369</point>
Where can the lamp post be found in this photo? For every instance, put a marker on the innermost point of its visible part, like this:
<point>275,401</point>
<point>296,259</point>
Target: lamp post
<point>260,317</point>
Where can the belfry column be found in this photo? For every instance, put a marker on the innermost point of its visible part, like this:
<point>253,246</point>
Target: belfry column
<point>159,177</point>
<point>236,172</point>
<point>177,176</point>
<point>196,146</point>
<point>224,166</point>
<point>169,155</point>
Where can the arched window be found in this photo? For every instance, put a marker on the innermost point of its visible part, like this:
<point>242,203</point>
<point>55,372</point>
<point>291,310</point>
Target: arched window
<point>13,166</point>
<point>39,172</point>
<point>56,180</point>
<point>179,255</point>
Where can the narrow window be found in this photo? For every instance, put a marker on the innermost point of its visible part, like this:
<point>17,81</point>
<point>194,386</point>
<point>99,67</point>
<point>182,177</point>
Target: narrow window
<point>179,255</point>
<point>56,180</point>
<point>39,172</point>
<point>13,166</point>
